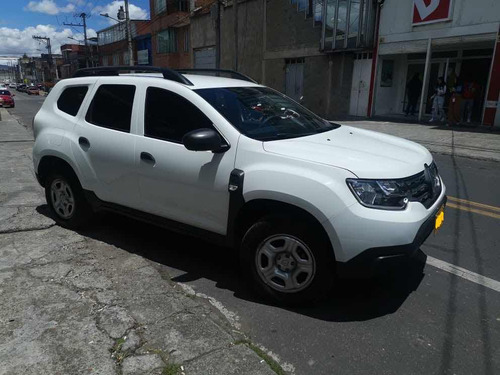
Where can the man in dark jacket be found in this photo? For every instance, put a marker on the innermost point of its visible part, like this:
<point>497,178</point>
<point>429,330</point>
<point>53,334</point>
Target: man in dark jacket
<point>414,88</point>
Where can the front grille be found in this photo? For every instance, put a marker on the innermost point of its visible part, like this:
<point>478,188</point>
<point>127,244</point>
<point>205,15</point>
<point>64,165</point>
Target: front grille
<point>424,187</point>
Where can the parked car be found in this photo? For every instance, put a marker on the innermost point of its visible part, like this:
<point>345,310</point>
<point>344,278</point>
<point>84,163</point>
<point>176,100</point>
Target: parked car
<point>33,90</point>
<point>21,88</point>
<point>240,164</point>
<point>12,85</point>
<point>7,99</point>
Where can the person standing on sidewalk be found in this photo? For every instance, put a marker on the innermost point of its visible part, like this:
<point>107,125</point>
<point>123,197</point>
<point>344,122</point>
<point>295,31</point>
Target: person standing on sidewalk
<point>469,94</point>
<point>414,87</point>
<point>438,101</point>
<point>455,104</point>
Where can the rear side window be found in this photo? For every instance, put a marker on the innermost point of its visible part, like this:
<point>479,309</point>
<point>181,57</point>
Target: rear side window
<point>169,116</point>
<point>71,99</point>
<point>111,107</point>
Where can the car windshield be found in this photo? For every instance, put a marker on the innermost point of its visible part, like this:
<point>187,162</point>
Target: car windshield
<point>264,114</point>
<point>4,92</point>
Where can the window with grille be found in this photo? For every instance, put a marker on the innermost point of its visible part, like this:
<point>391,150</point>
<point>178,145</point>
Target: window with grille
<point>167,41</point>
<point>160,6</point>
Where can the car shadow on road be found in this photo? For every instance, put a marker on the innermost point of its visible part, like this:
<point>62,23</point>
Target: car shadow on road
<point>193,259</point>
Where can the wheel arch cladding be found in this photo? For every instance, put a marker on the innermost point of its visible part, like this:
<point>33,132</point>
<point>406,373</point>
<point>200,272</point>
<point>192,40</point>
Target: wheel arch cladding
<point>256,209</point>
<point>50,163</point>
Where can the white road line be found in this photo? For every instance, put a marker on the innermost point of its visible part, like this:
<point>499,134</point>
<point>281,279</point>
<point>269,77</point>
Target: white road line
<point>463,273</point>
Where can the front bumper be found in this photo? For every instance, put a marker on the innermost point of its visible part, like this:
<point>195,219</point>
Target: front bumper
<point>376,260</point>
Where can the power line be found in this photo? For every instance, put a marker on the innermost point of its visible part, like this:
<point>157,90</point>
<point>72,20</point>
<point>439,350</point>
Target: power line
<point>84,17</point>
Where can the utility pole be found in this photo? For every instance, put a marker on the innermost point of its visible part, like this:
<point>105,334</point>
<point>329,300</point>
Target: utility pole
<point>49,50</point>
<point>128,31</point>
<point>235,14</point>
<point>84,17</point>
<point>217,37</point>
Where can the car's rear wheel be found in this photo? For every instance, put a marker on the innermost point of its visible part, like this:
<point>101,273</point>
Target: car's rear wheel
<point>66,200</point>
<point>288,261</point>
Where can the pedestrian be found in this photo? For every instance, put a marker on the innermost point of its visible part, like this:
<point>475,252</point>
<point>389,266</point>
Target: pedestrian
<point>455,103</point>
<point>469,94</point>
<point>438,101</point>
<point>414,88</point>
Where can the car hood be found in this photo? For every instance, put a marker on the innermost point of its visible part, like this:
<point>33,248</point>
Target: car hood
<point>365,153</point>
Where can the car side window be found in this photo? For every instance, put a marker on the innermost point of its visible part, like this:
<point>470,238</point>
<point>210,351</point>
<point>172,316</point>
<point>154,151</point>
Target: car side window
<point>71,99</point>
<point>169,116</point>
<point>111,107</point>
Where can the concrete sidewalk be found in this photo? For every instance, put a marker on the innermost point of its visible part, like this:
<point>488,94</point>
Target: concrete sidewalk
<point>74,303</point>
<point>476,143</point>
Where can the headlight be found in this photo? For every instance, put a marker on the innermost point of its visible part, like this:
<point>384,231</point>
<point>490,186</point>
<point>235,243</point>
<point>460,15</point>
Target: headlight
<point>424,187</point>
<point>383,194</point>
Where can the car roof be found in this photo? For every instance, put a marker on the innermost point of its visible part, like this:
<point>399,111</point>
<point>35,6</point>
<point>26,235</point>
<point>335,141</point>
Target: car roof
<point>198,81</point>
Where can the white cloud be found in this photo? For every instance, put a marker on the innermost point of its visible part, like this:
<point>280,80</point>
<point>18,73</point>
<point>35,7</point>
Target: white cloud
<point>18,42</point>
<point>49,7</point>
<point>136,13</point>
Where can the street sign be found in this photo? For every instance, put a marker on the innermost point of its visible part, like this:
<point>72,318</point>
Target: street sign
<point>431,11</point>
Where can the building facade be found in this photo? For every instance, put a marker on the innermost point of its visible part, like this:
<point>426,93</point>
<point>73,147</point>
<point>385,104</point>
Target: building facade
<point>453,39</point>
<point>305,48</point>
<point>170,36</point>
<point>113,43</point>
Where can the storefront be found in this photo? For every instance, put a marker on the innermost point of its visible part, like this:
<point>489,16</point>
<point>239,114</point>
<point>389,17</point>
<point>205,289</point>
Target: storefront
<point>455,41</point>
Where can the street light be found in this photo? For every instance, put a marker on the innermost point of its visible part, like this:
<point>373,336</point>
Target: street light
<point>123,15</point>
<point>108,16</point>
<point>78,40</point>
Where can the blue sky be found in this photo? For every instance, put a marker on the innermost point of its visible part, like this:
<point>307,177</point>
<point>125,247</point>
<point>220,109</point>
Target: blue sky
<point>20,19</point>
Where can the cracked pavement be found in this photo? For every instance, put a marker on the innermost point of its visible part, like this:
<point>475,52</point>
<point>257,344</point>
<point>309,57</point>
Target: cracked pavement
<point>72,304</point>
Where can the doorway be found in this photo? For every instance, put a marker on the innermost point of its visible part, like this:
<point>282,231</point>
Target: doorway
<point>477,71</point>
<point>294,84</point>
<point>360,88</point>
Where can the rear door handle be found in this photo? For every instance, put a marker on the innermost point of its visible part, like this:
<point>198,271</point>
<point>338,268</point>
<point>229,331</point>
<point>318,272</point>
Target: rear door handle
<point>84,142</point>
<point>148,158</point>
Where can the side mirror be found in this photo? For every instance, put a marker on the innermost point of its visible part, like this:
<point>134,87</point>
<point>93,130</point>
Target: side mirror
<point>202,140</point>
<point>13,94</point>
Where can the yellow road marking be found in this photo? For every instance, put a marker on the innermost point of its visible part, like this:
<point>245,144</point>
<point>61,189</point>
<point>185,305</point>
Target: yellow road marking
<point>474,210</point>
<point>474,204</point>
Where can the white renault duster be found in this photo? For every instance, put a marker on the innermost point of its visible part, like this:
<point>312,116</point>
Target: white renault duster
<point>240,164</point>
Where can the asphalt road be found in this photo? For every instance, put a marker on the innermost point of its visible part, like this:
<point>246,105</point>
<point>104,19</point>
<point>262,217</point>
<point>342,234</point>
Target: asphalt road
<point>420,320</point>
<point>26,107</point>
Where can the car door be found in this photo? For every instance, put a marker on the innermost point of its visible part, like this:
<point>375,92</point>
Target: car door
<point>105,143</point>
<point>186,186</point>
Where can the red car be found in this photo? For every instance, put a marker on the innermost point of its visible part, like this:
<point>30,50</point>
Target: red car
<point>6,99</point>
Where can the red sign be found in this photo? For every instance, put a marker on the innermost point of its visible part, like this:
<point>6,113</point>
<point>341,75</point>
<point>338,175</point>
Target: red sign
<point>429,11</point>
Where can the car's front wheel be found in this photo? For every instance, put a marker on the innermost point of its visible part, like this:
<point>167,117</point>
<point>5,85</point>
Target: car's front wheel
<point>289,261</point>
<point>66,200</point>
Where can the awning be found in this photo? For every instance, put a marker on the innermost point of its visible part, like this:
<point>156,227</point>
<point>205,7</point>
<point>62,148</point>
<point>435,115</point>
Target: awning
<point>418,46</point>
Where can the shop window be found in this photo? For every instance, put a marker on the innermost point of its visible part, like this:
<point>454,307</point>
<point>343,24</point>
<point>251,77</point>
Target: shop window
<point>167,41</point>
<point>444,54</point>
<point>478,52</point>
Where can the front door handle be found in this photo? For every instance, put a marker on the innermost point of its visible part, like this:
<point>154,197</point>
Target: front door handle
<point>84,142</point>
<point>148,158</point>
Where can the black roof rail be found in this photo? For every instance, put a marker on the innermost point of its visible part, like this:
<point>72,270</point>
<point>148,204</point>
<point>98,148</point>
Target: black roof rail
<point>232,73</point>
<point>169,74</point>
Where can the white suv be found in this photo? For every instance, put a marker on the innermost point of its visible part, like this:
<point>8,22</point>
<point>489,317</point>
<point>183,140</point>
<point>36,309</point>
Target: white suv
<point>240,164</point>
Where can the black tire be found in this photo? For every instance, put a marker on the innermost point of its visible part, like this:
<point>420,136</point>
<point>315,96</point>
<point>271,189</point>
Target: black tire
<point>271,227</point>
<point>82,211</point>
